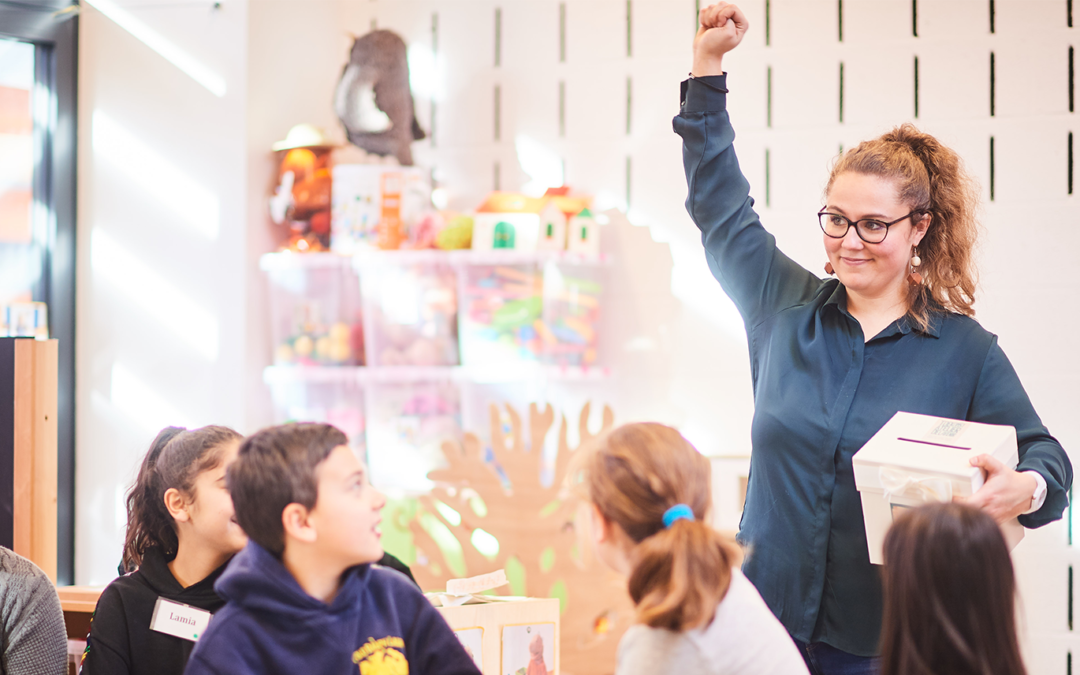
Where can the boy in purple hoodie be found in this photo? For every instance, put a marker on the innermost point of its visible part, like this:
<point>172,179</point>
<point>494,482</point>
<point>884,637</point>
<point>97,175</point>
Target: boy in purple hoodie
<point>302,597</point>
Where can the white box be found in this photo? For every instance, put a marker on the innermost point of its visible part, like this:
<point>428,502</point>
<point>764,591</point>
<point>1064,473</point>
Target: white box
<point>915,459</point>
<point>493,618</point>
<point>357,203</point>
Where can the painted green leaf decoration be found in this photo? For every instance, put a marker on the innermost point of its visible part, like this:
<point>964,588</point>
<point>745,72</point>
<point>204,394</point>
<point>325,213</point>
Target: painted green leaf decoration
<point>558,590</point>
<point>547,559</point>
<point>446,541</point>
<point>550,508</point>
<point>478,506</point>
<point>515,574</point>
<point>485,543</point>
<point>449,514</point>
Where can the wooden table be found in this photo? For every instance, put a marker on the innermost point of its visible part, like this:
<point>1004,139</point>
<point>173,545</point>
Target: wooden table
<point>78,603</point>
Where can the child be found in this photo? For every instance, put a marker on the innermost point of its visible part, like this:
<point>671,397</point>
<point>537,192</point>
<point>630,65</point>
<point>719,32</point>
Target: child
<point>301,597</point>
<point>649,493</point>
<point>32,635</point>
<point>949,593</point>
<point>180,534</point>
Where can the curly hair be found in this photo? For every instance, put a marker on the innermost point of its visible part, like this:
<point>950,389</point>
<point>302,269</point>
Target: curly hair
<point>930,178</point>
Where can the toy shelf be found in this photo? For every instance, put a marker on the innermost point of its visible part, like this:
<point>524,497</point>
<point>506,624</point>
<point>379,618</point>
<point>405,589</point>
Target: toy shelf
<point>403,350</point>
<point>283,375</point>
<point>288,260</point>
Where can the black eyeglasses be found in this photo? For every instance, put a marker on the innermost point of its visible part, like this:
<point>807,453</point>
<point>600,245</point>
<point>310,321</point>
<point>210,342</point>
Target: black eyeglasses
<point>869,230</point>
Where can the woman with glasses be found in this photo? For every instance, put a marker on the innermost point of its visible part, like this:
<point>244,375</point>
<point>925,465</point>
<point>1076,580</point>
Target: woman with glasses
<point>833,359</point>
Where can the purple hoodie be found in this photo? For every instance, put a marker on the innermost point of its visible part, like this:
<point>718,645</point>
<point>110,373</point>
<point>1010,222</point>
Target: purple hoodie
<point>378,623</point>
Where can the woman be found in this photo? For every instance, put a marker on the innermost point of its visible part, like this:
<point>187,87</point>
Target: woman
<point>944,615</point>
<point>834,359</point>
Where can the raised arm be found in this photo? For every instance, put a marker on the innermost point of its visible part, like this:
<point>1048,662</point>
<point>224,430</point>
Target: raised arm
<point>741,254</point>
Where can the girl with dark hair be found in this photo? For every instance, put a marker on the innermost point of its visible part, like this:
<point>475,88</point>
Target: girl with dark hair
<point>180,534</point>
<point>888,328</point>
<point>949,595</point>
<point>649,495</point>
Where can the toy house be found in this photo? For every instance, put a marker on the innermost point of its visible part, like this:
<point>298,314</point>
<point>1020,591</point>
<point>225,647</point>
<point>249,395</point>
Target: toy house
<point>552,228</point>
<point>507,220</point>
<point>583,236</point>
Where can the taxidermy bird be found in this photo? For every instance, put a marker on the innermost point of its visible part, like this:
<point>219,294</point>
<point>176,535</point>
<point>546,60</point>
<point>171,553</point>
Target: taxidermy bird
<point>373,100</point>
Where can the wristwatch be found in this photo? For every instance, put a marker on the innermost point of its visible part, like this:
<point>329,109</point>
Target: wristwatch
<point>1038,498</point>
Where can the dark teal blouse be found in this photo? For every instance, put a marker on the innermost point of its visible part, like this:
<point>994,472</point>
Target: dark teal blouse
<point>821,391</point>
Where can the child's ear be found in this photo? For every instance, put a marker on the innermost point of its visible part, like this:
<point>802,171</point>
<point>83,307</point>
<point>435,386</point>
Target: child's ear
<point>601,526</point>
<point>294,518</point>
<point>176,505</point>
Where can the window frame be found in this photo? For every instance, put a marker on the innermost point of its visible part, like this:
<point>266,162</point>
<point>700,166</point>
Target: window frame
<point>54,34</point>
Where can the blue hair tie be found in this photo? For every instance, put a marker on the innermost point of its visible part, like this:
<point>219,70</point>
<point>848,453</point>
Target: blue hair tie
<point>677,512</point>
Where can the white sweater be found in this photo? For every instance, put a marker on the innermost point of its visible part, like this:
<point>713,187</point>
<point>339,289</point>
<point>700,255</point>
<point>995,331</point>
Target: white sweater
<point>744,638</point>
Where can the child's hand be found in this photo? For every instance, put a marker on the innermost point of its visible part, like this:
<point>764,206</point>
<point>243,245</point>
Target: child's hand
<point>722,28</point>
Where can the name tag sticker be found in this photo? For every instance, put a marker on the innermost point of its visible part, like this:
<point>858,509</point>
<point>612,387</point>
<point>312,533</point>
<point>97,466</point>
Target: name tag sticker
<point>179,620</point>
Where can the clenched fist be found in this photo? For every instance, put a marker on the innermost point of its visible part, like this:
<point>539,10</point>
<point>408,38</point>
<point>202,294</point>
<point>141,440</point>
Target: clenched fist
<point>722,27</point>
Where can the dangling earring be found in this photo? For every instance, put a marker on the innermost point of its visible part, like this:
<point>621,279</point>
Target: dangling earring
<point>914,278</point>
<point>828,269</point>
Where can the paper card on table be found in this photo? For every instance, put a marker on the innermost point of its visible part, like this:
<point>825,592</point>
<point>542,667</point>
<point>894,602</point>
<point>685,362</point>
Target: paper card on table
<point>478,584</point>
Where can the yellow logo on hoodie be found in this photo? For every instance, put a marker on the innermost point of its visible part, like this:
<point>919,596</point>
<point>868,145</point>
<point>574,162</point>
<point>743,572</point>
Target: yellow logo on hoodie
<point>382,657</point>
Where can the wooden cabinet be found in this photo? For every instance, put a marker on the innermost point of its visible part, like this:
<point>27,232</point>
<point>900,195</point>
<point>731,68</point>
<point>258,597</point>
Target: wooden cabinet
<point>28,449</point>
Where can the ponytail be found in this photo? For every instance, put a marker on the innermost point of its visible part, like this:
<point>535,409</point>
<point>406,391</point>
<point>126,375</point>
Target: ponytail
<point>680,574</point>
<point>635,475</point>
<point>175,459</point>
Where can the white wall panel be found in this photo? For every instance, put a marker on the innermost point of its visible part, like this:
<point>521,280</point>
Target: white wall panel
<point>953,19</point>
<point>879,84</point>
<point>595,31</point>
<point>877,23</point>
<point>805,25</point>
<point>954,79</point>
<point>161,333</point>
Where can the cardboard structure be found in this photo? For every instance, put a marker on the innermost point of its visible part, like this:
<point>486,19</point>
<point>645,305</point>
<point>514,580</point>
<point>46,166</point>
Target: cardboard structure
<point>494,615</point>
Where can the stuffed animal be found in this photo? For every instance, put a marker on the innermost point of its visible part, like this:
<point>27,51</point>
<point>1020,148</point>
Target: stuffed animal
<point>373,100</point>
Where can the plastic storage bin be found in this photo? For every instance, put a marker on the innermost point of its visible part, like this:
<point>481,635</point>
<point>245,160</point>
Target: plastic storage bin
<point>330,395</point>
<point>569,330</point>
<point>410,309</point>
<point>409,422</point>
<point>315,309</point>
<point>502,307</point>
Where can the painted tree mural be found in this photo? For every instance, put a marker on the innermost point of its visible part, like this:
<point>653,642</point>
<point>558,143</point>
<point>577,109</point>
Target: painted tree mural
<point>502,514</point>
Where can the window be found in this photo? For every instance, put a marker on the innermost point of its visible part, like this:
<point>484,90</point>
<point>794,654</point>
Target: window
<point>38,52</point>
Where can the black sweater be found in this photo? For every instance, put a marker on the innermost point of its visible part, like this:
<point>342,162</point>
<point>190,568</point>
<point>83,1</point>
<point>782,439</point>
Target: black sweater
<point>120,640</point>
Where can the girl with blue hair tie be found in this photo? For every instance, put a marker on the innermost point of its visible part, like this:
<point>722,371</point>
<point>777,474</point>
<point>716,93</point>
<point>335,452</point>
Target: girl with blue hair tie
<point>649,492</point>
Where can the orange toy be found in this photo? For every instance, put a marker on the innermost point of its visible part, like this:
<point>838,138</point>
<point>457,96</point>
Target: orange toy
<point>302,197</point>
